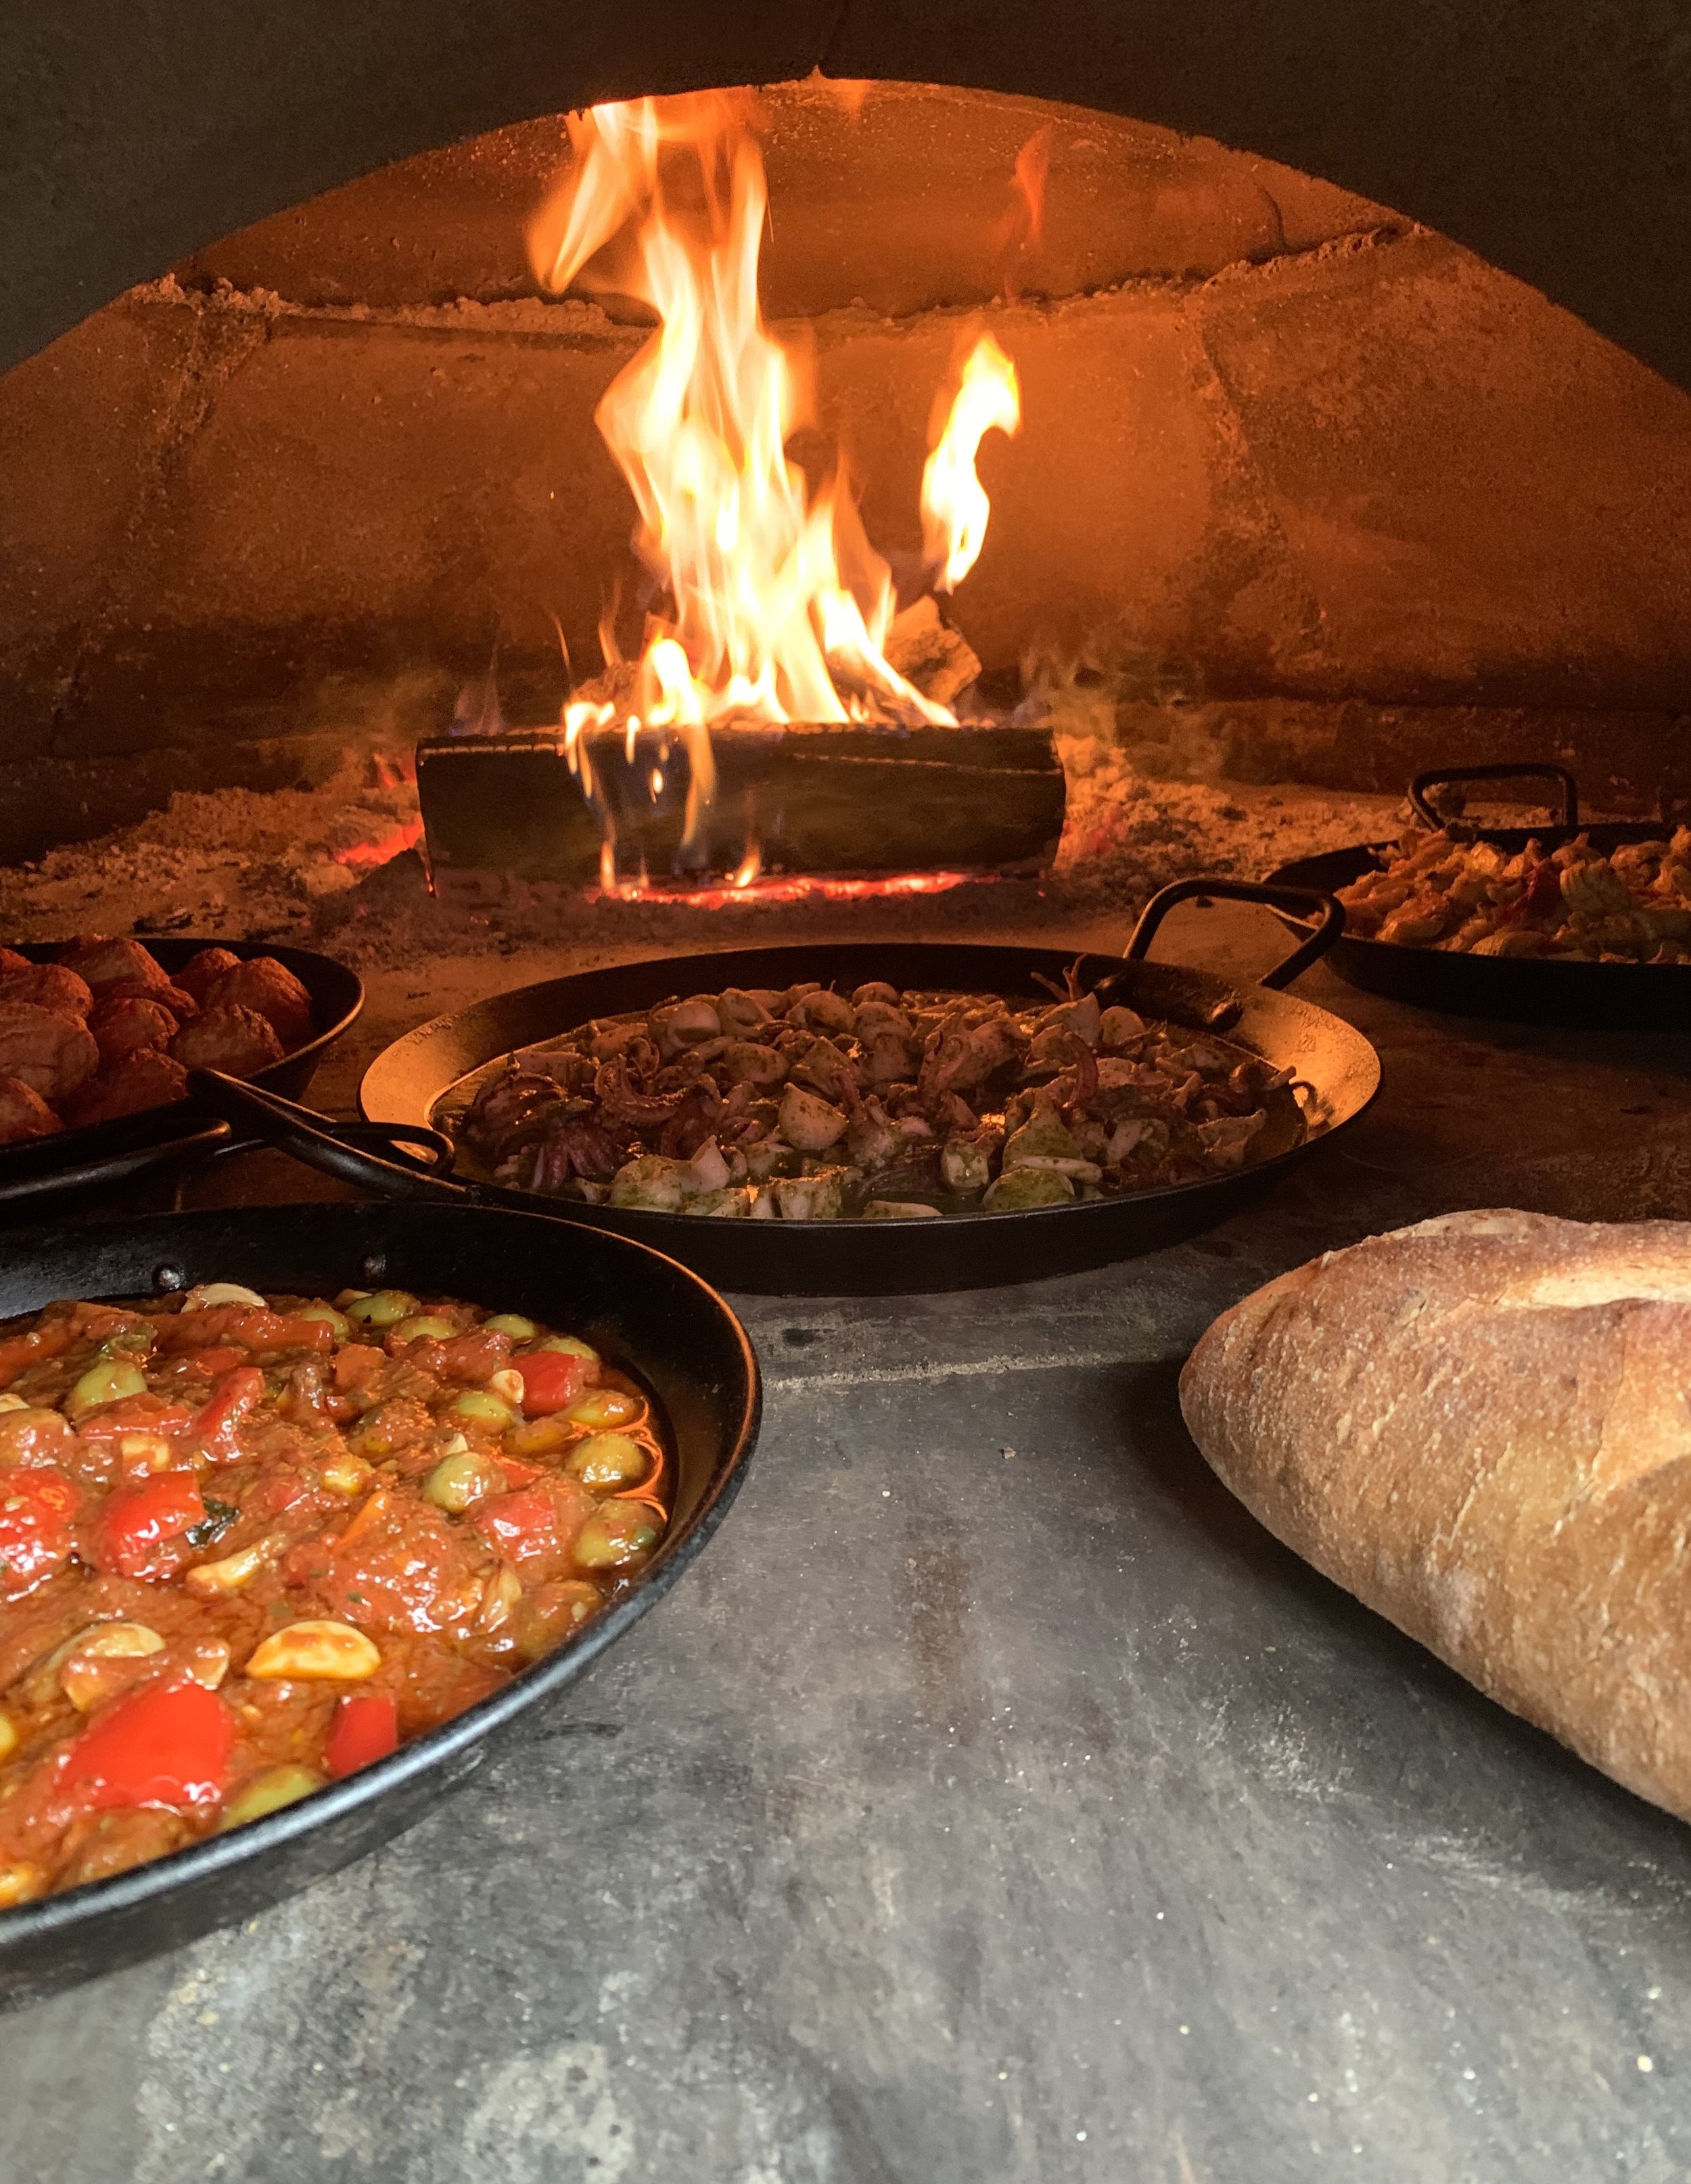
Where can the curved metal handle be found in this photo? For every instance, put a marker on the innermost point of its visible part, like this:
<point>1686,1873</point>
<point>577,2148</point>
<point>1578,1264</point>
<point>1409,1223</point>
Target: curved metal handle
<point>330,1146</point>
<point>1437,776</point>
<point>1300,902</point>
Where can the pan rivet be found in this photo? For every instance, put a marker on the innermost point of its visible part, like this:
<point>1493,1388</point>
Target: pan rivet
<point>168,1277</point>
<point>372,1265</point>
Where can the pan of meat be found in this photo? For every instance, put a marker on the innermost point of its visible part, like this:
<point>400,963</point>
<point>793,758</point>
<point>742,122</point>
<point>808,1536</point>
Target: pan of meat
<point>300,1520</point>
<point>1564,924</point>
<point>98,1038</point>
<point>871,1118</point>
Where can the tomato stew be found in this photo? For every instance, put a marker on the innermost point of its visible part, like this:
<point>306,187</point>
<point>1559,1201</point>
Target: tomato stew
<point>249,1545</point>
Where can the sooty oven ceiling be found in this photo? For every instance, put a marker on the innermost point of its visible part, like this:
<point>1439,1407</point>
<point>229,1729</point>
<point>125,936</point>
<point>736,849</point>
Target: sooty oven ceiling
<point>1553,139</point>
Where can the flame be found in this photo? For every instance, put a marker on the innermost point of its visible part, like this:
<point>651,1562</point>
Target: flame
<point>766,623</point>
<point>1023,225</point>
<point>955,503</point>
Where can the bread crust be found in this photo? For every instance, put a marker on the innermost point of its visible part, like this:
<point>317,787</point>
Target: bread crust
<point>1481,1427</point>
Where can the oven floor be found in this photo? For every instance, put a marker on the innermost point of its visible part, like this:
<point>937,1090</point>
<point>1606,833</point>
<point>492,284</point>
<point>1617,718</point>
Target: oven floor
<point>994,1801</point>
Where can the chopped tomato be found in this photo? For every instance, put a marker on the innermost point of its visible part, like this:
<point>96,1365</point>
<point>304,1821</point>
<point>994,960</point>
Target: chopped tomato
<point>472,1358</point>
<point>535,1527</point>
<point>34,1436</point>
<point>37,1510</point>
<point>18,1350</point>
<point>138,1532</point>
<point>357,1366</point>
<point>218,1427</point>
<point>552,1380</point>
<point>366,1728</point>
<point>398,1566</point>
<point>166,1744</point>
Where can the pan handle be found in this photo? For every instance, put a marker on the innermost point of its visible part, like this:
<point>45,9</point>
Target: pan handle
<point>1437,776</point>
<point>419,1158</point>
<point>1300,902</point>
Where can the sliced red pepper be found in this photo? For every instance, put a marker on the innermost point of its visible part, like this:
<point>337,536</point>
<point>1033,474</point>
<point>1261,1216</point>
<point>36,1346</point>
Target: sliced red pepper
<point>218,1427</point>
<point>366,1728</point>
<point>251,1326</point>
<point>516,1473</point>
<point>270,1330</point>
<point>147,1413</point>
<point>166,1744</point>
<point>199,1330</point>
<point>210,1364</point>
<point>37,1512</point>
<point>552,1380</point>
<point>138,1531</point>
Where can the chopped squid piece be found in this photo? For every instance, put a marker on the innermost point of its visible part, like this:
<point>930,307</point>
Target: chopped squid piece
<point>881,1106</point>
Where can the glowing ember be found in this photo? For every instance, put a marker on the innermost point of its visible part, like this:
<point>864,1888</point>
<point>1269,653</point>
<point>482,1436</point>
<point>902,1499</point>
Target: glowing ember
<point>757,893</point>
<point>954,505</point>
<point>366,856</point>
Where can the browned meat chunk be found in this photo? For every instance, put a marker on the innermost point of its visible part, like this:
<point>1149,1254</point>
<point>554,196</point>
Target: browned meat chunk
<point>202,972</point>
<point>130,1025</point>
<point>49,986</point>
<point>239,1042</point>
<point>272,989</point>
<point>24,1113</point>
<point>147,1080</point>
<point>52,1054</point>
<point>105,963</point>
<point>181,1004</point>
<point>11,961</point>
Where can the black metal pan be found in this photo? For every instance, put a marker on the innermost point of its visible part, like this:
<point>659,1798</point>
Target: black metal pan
<point>408,1083</point>
<point>653,1318</point>
<point>104,1154</point>
<point>1522,989</point>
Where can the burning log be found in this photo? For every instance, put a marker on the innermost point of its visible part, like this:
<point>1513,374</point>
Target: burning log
<point>848,800</point>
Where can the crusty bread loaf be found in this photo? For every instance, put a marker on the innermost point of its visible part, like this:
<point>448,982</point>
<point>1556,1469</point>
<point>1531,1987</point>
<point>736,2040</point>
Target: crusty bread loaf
<point>1480,1427</point>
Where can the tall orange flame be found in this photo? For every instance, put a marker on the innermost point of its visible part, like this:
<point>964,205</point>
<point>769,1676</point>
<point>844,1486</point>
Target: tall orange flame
<point>780,607</point>
<point>955,503</point>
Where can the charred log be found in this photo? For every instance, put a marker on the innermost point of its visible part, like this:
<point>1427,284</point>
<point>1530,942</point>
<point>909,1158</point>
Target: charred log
<point>826,799</point>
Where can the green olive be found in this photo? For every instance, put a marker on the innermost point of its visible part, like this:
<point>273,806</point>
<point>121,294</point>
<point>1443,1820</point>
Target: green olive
<point>383,1307</point>
<point>608,1459</point>
<point>426,1325</point>
<point>604,1407</point>
<point>512,1323</point>
<point>268,1793</point>
<point>108,1382</point>
<point>485,1409</point>
<point>569,1344</point>
<point>616,1533</point>
<point>337,1322</point>
<point>552,1613</point>
<point>460,1481</point>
